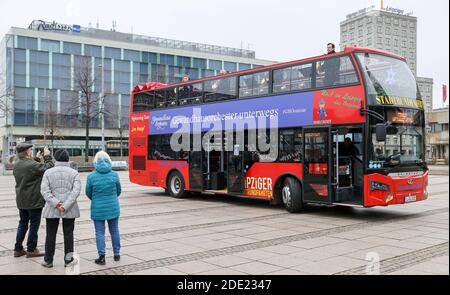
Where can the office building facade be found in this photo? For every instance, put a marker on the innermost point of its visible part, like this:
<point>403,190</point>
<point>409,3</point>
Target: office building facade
<point>426,90</point>
<point>438,135</point>
<point>387,29</point>
<point>383,29</point>
<point>38,82</point>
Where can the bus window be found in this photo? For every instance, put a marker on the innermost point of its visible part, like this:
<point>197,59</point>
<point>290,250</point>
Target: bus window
<point>245,86</point>
<point>316,153</point>
<point>290,146</point>
<point>292,78</point>
<point>335,71</point>
<point>190,94</point>
<point>143,102</point>
<point>171,97</point>
<point>301,77</point>
<point>282,80</point>
<point>220,89</point>
<point>160,99</point>
<point>255,84</point>
<point>159,148</point>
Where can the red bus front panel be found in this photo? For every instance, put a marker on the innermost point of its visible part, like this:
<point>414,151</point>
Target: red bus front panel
<point>381,190</point>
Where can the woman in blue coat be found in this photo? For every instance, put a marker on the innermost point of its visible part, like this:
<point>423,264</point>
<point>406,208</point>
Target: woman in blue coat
<point>103,189</point>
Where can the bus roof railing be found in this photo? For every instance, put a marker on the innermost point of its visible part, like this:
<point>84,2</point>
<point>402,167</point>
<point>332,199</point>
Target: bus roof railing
<point>148,86</point>
<point>372,50</point>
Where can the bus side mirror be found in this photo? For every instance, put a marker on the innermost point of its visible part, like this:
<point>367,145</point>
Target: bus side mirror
<point>380,131</point>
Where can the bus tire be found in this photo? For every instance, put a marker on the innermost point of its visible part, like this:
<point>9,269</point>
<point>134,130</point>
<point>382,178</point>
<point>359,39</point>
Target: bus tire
<point>175,185</point>
<point>291,195</point>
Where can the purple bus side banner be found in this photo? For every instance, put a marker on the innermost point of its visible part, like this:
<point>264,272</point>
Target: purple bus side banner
<point>294,109</point>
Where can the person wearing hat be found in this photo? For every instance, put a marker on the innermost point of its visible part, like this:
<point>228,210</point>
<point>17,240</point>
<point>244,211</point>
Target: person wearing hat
<point>28,172</point>
<point>60,188</point>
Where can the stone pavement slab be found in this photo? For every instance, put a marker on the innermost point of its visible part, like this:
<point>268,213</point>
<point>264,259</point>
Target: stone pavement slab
<point>226,235</point>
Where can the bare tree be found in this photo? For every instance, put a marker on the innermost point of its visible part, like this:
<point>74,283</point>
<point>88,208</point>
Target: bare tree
<point>52,125</point>
<point>90,104</point>
<point>5,104</point>
<point>121,130</point>
<point>111,118</point>
<point>6,111</point>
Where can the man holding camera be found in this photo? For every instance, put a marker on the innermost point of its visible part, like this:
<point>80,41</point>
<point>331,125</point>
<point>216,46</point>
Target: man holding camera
<point>28,172</point>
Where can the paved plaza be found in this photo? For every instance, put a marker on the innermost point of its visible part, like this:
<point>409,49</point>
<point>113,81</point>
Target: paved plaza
<point>222,235</point>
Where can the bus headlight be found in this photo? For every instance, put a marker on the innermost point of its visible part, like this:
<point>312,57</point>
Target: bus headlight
<point>378,186</point>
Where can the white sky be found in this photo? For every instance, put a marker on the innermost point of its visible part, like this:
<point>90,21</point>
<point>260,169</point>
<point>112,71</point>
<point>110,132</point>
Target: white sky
<point>279,30</point>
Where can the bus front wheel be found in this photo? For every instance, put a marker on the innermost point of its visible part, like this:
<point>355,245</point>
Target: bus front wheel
<point>175,185</point>
<point>291,195</point>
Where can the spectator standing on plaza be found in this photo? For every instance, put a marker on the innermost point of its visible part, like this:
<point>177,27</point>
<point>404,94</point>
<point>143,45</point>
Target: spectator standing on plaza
<point>60,188</point>
<point>103,189</point>
<point>28,172</point>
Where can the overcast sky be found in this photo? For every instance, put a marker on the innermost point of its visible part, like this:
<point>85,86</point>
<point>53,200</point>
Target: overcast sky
<point>279,30</point>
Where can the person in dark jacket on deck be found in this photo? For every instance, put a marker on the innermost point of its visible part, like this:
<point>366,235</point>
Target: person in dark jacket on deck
<point>28,172</point>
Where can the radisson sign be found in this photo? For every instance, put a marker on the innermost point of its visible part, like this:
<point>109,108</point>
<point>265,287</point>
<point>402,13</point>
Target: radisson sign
<point>40,25</point>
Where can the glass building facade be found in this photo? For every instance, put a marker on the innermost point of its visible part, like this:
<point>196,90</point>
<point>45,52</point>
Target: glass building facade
<point>38,72</point>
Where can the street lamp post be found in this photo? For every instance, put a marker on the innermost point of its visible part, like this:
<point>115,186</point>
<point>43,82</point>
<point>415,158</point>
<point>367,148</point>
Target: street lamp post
<point>45,100</point>
<point>6,154</point>
<point>102,105</point>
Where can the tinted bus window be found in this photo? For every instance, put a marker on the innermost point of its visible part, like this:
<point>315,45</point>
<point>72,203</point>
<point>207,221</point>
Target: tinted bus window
<point>159,149</point>
<point>220,89</point>
<point>335,71</point>
<point>160,99</point>
<point>301,77</point>
<point>190,94</point>
<point>255,84</point>
<point>143,102</point>
<point>292,78</point>
<point>282,80</point>
<point>290,147</point>
<point>171,97</point>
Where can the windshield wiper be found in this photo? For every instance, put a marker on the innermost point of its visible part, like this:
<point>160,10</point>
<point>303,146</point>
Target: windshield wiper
<point>393,160</point>
<point>420,163</point>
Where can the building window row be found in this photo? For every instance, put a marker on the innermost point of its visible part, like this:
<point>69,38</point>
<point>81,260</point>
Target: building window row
<point>126,73</point>
<point>126,54</point>
<point>396,22</point>
<point>396,43</point>
<point>439,127</point>
<point>46,111</point>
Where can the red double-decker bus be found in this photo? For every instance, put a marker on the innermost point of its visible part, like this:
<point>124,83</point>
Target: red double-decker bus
<point>344,129</point>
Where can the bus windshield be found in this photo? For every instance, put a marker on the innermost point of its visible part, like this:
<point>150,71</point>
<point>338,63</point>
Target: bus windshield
<point>387,76</point>
<point>404,140</point>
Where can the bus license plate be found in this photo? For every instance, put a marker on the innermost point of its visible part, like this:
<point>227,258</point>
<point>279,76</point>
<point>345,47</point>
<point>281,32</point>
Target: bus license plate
<point>410,199</point>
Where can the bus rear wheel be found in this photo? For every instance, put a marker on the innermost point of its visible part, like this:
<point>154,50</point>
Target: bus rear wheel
<point>175,185</point>
<point>291,195</point>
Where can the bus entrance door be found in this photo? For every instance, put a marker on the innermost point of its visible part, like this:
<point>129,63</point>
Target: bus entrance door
<point>317,169</point>
<point>195,170</point>
<point>235,177</point>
